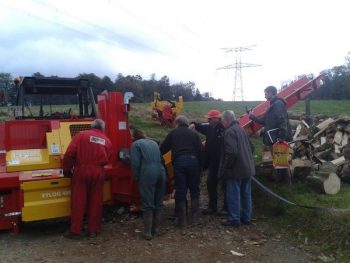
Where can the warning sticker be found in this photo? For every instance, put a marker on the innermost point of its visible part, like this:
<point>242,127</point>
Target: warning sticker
<point>55,148</point>
<point>122,125</point>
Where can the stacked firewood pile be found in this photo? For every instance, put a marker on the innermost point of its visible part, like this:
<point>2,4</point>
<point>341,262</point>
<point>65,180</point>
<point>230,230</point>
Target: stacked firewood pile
<point>320,154</point>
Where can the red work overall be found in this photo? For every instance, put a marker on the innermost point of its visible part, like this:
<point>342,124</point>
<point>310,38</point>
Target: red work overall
<point>88,152</point>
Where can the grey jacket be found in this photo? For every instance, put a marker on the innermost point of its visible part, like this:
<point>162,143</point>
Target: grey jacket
<point>237,154</point>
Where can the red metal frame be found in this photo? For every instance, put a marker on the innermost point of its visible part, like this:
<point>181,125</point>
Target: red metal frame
<point>114,112</point>
<point>298,90</point>
<point>9,203</point>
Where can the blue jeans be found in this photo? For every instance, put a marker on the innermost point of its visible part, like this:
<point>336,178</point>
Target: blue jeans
<point>187,176</point>
<point>238,194</point>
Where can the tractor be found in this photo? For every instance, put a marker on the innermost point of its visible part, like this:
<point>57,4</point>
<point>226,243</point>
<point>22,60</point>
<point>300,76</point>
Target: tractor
<point>165,111</point>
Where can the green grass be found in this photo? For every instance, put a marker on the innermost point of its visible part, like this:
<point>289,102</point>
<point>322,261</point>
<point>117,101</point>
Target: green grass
<point>330,108</point>
<point>324,232</point>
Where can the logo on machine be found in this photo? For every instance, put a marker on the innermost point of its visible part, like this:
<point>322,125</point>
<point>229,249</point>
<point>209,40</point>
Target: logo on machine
<point>55,194</point>
<point>97,140</point>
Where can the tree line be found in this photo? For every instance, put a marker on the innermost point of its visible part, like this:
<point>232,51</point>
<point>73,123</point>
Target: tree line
<point>336,83</point>
<point>143,89</point>
<point>336,86</point>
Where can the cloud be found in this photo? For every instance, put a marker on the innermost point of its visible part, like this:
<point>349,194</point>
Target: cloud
<point>180,39</point>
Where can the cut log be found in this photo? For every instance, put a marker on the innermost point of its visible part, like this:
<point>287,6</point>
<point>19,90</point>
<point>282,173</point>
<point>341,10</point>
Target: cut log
<point>345,139</point>
<point>337,149</point>
<point>328,184</point>
<point>266,157</point>
<point>264,170</point>
<point>347,128</point>
<point>325,123</point>
<point>297,131</point>
<point>327,168</point>
<point>338,136</point>
<point>323,140</point>
<point>339,161</point>
<point>300,169</point>
<point>305,124</point>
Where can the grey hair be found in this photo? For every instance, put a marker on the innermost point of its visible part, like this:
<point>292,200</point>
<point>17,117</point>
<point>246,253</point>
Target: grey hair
<point>229,116</point>
<point>98,124</point>
<point>181,120</point>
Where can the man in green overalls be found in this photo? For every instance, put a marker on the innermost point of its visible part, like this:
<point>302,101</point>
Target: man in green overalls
<point>149,172</point>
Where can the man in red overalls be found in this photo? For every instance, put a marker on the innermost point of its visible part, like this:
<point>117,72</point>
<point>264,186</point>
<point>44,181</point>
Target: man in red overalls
<point>88,152</point>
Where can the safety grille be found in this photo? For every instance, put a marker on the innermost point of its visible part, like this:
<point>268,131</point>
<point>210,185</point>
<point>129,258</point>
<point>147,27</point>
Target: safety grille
<point>75,128</point>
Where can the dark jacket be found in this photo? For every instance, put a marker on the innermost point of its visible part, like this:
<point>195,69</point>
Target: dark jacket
<point>276,117</point>
<point>237,154</point>
<point>183,141</point>
<point>213,142</point>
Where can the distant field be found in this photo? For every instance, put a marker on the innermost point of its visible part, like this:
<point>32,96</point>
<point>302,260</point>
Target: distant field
<point>140,115</point>
<point>327,107</point>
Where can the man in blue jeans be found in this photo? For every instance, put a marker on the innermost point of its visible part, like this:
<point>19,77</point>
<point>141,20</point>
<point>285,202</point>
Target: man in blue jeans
<point>236,168</point>
<point>186,148</point>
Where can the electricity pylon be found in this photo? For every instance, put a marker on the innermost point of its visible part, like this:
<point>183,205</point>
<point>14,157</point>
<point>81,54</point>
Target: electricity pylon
<point>238,91</point>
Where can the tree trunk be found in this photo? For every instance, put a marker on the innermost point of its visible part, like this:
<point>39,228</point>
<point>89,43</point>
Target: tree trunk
<point>326,184</point>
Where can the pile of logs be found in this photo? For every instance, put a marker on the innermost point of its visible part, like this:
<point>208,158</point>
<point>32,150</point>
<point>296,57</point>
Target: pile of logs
<point>320,154</point>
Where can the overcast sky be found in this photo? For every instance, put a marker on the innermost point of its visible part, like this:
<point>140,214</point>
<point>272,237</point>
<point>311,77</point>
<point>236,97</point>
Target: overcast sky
<point>182,39</point>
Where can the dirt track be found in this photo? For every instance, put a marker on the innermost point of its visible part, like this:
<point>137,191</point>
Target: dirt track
<point>121,241</point>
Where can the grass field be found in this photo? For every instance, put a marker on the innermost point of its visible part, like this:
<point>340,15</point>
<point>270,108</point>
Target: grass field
<point>320,232</point>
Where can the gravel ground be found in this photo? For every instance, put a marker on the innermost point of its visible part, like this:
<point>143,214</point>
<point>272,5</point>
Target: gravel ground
<point>121,241</point>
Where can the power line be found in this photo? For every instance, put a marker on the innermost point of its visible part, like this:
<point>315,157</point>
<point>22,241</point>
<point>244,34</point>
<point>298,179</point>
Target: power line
<point>238,92</point>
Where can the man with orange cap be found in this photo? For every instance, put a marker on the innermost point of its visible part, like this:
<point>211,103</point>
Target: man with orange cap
<point>213,130</point>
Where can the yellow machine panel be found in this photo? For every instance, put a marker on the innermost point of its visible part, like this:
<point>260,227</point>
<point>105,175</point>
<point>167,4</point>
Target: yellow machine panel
<point>31,159</point>
<point>47,199</point>
<point>68,130</point>
<point>57,142</point>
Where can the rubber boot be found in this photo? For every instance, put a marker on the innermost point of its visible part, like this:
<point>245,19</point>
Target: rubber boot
<point>182,216</point>
<point>147,223</point>
<point>156,222</point>
<point>195,211</point>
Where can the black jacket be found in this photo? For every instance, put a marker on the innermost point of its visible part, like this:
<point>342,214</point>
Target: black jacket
<point>213,142</point>
<point>276,117</point>
<point>237,154</point>
<point>183,141</point>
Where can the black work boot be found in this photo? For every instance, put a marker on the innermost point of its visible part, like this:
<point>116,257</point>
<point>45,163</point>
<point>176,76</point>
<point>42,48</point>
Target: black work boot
<point>181,212</point>
<point>195,211</point>
<point>147,224</point>
<point>156,222</point>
